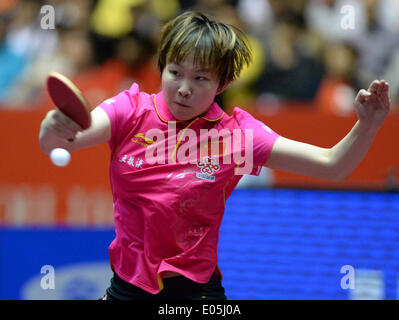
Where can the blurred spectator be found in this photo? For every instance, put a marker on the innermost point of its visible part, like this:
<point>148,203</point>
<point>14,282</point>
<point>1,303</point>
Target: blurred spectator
<point>330,19</point>
<point>374,35</point>
<point>388,11</point>
<point>64,50</point>
<point>21,40</point>
<point>164,10</point>
<point>240,91</point>
<point>337,93</point>
<point>256,14</point>
<point>6,6</point>
<point>281,9</point>
<point>301,51</point>
<point>110,21</point>
<point>214,8</point>
<point>11,63</point>
<point>391,75</point>
<point>133,62</point>
<point>138,55</point>
<point>376,45</point>
<point>293,68</point>
<point>72,14</point>
<point>73,55</point>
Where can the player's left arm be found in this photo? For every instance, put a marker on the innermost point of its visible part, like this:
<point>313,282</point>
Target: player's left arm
<point>336,163</point>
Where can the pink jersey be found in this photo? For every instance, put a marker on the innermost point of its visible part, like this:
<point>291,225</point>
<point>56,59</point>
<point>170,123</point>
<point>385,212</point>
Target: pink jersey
<point>168,212</point>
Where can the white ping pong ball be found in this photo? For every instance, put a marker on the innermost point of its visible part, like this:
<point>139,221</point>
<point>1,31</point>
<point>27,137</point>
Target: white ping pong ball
<point>60,157</point>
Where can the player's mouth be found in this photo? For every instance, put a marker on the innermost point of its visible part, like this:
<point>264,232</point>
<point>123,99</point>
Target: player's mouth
<point>182,105</point>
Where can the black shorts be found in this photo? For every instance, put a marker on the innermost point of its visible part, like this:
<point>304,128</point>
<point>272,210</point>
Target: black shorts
<point>175,288</point>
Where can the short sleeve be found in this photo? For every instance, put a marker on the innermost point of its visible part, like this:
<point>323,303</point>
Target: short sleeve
<point>263,138</point>
<point>121,109</point>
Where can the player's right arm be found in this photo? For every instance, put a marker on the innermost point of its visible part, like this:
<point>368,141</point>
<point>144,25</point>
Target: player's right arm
<point>56,128</point>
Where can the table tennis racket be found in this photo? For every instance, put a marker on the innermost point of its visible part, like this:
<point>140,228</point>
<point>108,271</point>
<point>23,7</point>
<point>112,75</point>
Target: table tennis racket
<point>68,98</point>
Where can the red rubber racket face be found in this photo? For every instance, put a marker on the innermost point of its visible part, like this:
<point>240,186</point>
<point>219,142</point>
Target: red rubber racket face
<point>67,97</point>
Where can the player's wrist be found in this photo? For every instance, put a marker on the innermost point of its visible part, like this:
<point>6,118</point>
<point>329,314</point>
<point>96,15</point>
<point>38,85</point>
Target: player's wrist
<point>368,127</point>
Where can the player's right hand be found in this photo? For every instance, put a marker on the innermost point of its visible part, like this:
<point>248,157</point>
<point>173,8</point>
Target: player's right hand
<point>58,124</point>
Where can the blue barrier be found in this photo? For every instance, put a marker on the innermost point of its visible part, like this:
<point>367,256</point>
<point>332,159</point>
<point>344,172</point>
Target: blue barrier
<point>274,244</point>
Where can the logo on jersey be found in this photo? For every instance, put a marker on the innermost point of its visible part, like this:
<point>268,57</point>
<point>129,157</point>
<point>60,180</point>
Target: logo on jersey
<point>208,166</point>
<point>142,140</point>
<point>132,161</point>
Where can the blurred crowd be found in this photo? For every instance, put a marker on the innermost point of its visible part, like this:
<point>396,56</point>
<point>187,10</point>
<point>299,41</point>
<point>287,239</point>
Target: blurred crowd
<point>320,52</point>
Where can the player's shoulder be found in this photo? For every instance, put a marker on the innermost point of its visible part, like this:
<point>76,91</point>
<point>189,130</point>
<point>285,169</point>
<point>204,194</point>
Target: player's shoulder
<point>136,96</point>
<point>133,98</point>
<point>242,118</point>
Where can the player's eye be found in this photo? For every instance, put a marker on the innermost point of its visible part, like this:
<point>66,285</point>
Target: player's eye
<point>174,72</point>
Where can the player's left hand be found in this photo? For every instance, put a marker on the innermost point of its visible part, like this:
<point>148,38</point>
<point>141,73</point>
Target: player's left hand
<point>373,105</point>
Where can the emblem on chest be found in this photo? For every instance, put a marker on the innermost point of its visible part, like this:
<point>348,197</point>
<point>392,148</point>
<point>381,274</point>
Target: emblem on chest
<point>208,166</point>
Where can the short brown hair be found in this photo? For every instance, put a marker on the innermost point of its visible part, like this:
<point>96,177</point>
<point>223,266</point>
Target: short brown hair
<point>220,47</point>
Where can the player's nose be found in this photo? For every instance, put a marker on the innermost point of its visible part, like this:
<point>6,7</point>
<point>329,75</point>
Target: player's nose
<point>185,90</point>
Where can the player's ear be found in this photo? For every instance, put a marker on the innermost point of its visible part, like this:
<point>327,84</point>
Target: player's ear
<point>222,88</point>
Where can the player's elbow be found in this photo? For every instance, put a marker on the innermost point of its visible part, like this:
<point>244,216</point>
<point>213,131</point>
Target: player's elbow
<point>335,175</point>
<point>336,171</point>
<point>333,171</point>
<point>339,177</point>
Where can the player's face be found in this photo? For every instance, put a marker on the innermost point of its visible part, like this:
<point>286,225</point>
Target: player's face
<point>188,90</point>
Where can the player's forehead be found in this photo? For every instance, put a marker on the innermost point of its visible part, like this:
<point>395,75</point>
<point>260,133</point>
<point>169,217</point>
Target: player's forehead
<point>191,64</point>
<point>197,62</point>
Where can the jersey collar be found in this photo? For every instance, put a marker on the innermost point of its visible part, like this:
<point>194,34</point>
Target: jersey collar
<point>214,113</point>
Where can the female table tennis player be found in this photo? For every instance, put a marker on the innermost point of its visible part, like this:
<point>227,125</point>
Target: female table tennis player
<point>167,214</point>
